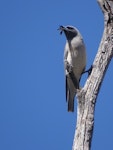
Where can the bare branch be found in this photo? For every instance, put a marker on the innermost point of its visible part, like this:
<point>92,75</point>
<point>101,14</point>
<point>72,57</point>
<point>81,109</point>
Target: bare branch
<point>88,95</point>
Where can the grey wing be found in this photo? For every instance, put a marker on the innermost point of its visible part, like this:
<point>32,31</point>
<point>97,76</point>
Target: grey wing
<point>71,82</point>
<point>65,67</point>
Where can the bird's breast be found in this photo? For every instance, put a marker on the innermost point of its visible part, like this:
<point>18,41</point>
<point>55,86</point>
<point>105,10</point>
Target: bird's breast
<point>76,57</point>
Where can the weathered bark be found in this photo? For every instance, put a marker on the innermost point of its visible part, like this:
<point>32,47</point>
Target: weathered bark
<point>88,94</point>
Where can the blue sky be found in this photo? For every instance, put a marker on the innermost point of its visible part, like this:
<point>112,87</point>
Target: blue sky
<point>33,109</point>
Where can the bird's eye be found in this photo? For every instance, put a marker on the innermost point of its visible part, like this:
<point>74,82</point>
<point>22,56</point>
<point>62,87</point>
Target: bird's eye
<point>69,27</point>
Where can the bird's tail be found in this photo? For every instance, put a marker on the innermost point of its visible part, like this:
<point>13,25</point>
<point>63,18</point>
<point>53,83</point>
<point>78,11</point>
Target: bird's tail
<point>71,105</point>
<point>70,94</point>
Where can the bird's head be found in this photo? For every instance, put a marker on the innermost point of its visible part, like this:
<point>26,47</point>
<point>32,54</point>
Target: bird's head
<point>69,31</point>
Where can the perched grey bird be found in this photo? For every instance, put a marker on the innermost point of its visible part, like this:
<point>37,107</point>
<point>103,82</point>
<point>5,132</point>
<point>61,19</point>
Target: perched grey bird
<point>74,62</point>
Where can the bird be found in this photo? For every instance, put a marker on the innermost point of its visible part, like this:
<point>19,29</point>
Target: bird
<point>74,62</point>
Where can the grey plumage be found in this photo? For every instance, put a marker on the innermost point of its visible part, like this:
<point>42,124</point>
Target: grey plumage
<point>74,62</point>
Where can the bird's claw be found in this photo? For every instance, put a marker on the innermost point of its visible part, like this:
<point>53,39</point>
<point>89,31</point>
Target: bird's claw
<point>88,71</point>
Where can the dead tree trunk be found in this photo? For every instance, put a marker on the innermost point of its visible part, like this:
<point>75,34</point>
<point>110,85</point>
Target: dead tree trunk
<point>88,95</point>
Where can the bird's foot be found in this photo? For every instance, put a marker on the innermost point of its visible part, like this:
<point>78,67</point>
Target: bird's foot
<point>88,71</point>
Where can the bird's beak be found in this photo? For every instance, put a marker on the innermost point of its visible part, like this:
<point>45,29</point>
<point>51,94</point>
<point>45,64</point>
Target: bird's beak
<point>61,28</point>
